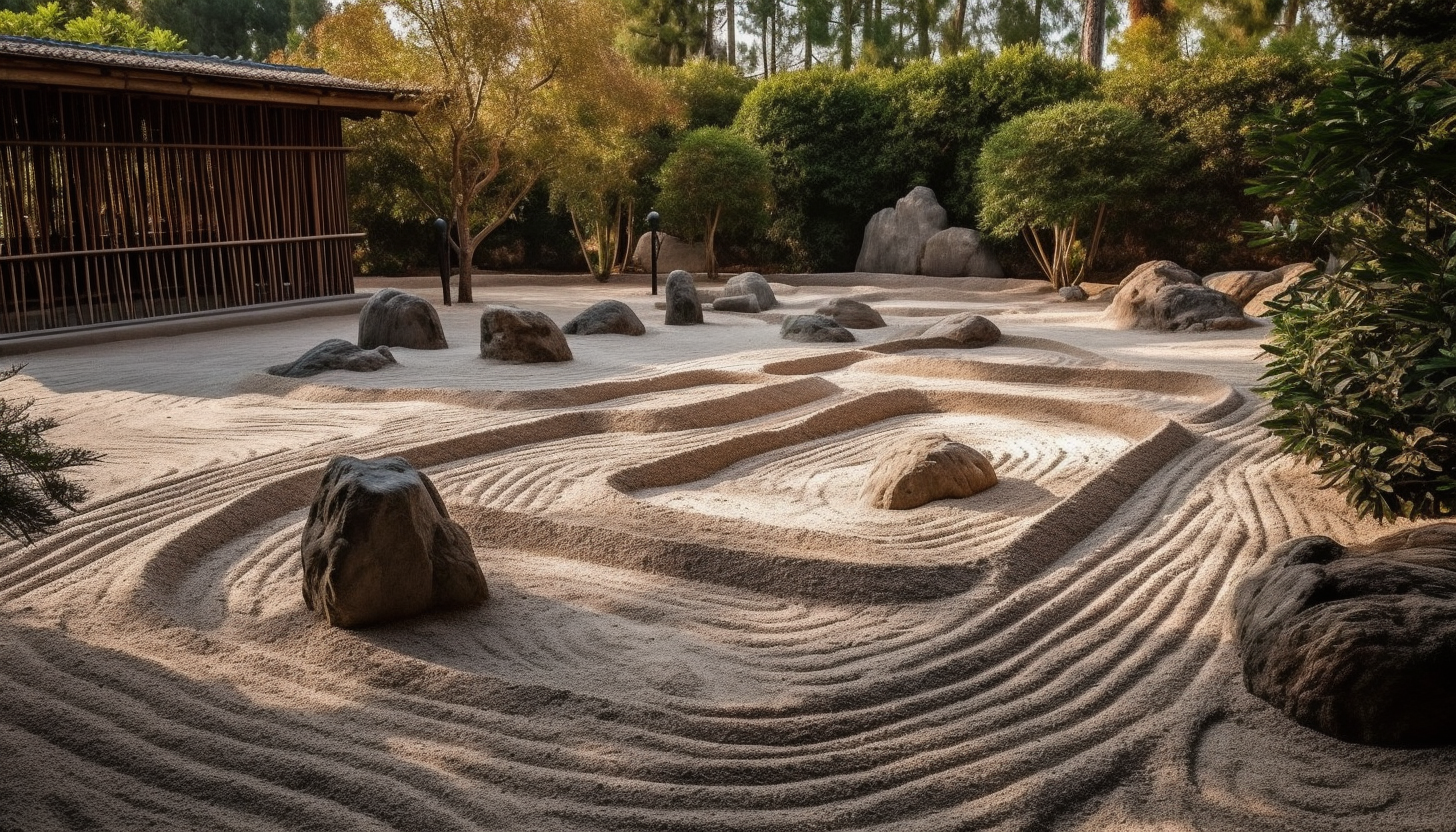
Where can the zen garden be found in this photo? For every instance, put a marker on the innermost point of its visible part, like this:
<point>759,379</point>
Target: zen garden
<point>733,415</point>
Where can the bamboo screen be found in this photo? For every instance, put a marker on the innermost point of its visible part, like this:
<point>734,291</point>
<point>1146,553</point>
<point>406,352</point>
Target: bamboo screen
<point>118,206</point>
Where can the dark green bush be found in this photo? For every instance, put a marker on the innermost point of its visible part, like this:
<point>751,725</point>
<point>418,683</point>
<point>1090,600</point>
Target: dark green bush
<point>1419,20</point>
<point>32,485</point>
<point>710,91</point>
<point>1363,381</point>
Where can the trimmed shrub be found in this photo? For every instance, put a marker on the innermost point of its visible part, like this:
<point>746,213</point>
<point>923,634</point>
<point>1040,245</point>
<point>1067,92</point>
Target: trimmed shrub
<point>715,181</point>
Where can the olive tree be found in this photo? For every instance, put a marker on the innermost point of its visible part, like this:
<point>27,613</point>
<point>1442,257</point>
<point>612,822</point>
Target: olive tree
<point>716,180</point>
<point>1057,171</point>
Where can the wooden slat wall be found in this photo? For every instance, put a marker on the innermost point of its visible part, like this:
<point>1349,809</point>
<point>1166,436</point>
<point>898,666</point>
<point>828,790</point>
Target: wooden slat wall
<point>115,206</point>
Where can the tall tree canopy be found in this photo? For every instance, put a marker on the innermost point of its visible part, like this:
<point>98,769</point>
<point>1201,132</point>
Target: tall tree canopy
<point>246,28</point>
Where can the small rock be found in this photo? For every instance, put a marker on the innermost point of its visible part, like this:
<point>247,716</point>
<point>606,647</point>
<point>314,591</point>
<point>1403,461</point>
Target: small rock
<point>1163,295</point>
<point>959,252</point>
<point>1242,286</point>
<point>922,469</point>
<point>608,317</point>
<point>851,314</point>
<point>398,319</point>
<point>966,329</point>
<point>380,546</point>
<point>1360,642</point>
<point>335,354</point>
<point>682,300</point>
<point>895,237</point>
<point>751,283</point>
<point>737,303</point>
<point>1072,293</point>
<point>672,254</point>
<point>521,336</point>
<point>814,329</point>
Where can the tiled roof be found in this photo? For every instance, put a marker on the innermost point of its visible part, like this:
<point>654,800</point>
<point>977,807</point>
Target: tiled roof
<point>181,63</point>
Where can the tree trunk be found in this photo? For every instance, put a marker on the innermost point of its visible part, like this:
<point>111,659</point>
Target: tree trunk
<point>958,35</point>
<point>1139,9</point>
<point>1036,32</point>
<point>465,247</point>
<point>1291,16</point>
<point>732,35</point>
<point>923,22</point>
<point>1094,19</point>
<point>709,25</point>
<point>773,61</point>
<point>708,246</point>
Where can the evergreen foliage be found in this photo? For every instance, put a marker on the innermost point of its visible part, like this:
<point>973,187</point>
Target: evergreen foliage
<point>716,181</point>
<point>105,27</point>
<point>32,483</point>
<point>1417,20</point>
<point>1363,380</point>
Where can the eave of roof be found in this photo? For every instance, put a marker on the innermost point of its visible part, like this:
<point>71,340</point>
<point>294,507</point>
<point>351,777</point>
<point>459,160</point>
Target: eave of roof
<point>31,60</point>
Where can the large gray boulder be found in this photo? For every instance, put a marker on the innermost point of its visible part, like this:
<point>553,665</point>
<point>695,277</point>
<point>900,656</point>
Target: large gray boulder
<point>959,252</point>
<point>1360,642</point>
<point>521,336</point>
<point>607,317</point>
<point>851,314</point>
<point>737,303</point>
<point>751,283</point>
<point>814,329</point>
<point>380,546</point>
<point>895,237</point>
<point>673,254</point>
<point>920,469</point>
<point>335,354</point>
<point>398,319</point>
<point>966,329</point>
<point>1242,286</point>
<point>681,294</point>
<point>1163,295</point>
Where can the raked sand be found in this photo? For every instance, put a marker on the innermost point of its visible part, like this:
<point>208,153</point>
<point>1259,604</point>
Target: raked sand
<point>693,623</point>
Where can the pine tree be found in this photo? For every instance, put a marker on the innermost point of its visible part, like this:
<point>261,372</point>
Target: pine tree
<point>31,484</point>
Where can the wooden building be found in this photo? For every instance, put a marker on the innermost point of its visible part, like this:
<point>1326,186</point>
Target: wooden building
<point>135,184</point>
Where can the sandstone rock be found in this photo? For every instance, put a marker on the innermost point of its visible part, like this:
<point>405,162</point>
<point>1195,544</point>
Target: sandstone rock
<point>1292,270</point>
<point>673,254</point>
<point>682,300</point>
<point>751,283</point>
<point>813,329</point>
<point>1242,286</point>
<point>1163,295</point>
<point>959,252</point>
<point>398,319</point>
<point>964,330</point>
<point>1258,306</point>
<point>1360,642</point>
<point>851,314</point>
<point>737,303</point>
<point>607,317</point>
<point>520,336</point>
<point>335,354</point>
<point>895,237</point>
<point>380,546</point>
<point>1072,293</point>
<point>921,469</point>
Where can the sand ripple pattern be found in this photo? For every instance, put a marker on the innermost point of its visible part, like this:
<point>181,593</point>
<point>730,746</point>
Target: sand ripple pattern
<point>158,669</point>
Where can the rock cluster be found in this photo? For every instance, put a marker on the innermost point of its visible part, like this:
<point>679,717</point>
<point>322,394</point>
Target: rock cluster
<point>751,283</point>
<point>521,336</point>
<point>607,317</point>
<point>1360,642</point>
<point>398,319</point>
<point>1165,296</point>
<point>814,329</point>
<point>912,238</point>
<point>335,354</point>
<point>380,546</point>
<point>851,314</point>
<point>682,300</point>
<point>921,469</point>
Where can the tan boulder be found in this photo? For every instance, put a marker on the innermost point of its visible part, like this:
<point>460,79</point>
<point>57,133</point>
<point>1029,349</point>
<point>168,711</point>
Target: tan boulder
<point>921,469</point>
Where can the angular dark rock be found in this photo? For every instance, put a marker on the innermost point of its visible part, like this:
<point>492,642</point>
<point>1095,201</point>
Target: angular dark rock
<point>335,354</point>
<point>398,319</point>
<point>379,546</point>
<point>813,329</point>
<point>751,283</point>
<point>920,469</point>
<point>851,314</point>
<point>607,317</point>
<point>521,336</point>
<point>1359,642</point>
<point>682,300</point>
<point>959,252</point>
<point>895,237</point>
<point>1072,293</point>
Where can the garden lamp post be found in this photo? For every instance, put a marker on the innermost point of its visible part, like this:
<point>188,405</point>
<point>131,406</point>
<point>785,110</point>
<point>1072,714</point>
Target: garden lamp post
<point>654,221</point>
<point>440,228</point>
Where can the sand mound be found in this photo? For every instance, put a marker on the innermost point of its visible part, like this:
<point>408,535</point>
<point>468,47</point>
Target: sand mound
<point>693,623</point>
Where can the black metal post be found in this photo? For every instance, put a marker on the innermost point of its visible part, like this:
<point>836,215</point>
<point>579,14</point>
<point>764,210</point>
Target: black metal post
<point>442,228</point>
<point>654,220</point>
